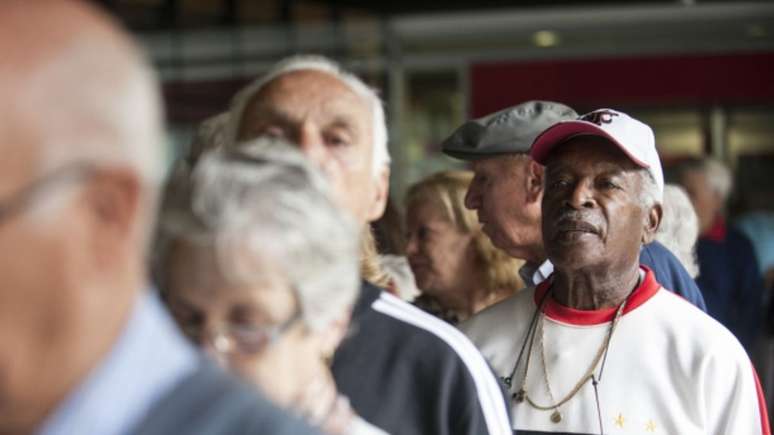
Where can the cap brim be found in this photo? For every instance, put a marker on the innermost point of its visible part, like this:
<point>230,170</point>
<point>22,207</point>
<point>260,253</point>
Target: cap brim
<point>565,130</point>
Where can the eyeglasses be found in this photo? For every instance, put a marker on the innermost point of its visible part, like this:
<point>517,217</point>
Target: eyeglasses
<point>34,191</point>
<point>242,338</point>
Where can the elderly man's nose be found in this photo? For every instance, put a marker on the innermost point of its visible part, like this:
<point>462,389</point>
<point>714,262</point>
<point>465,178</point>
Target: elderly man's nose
<point>310,142</point>
<point>308,138</point>
<point>581,196</point>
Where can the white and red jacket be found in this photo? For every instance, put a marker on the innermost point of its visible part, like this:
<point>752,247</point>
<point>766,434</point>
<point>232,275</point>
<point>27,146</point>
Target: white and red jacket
<point>670,369</point>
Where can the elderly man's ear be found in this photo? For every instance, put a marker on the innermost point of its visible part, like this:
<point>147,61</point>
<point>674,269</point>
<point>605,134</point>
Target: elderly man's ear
<point>380,193</point>
<point>534,181</point>
<point>114,199</point>
<point>651,223</point>
<point>331,337</point>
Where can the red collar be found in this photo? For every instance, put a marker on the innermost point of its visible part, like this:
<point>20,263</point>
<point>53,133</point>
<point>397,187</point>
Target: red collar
<point>561,313</point>
<point>717,232</point>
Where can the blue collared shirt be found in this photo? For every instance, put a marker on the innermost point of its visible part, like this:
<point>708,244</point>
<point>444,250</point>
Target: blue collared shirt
<point>149,358</point>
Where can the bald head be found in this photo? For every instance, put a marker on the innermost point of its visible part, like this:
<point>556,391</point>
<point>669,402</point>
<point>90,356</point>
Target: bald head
<point>79,139</point>
<point>75,88</point>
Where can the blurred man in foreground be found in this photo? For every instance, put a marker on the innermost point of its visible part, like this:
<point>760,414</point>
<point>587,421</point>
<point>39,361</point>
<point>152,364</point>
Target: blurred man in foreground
<point>84,349</point>
<point>404,370</point>
<point>600,346</point>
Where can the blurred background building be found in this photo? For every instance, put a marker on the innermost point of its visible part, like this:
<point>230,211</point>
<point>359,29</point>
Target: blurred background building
<point>699,72</point>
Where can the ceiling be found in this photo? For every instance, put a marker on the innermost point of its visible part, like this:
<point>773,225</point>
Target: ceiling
<point>160,15</point>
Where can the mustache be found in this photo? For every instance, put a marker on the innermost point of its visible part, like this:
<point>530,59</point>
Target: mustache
<point>573,220</point>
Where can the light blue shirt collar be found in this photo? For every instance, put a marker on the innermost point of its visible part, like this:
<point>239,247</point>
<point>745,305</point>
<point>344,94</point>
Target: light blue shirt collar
<point>149,358</point>
<point>533,276</point>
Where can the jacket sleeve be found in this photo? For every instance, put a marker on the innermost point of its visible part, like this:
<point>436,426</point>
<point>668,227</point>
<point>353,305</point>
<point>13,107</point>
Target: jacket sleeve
<point>486,415</point>
<point>731,394</point>
<point>749,291</point>
<point>671,274</point>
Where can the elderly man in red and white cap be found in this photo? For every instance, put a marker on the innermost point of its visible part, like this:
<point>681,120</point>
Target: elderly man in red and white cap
<point>600,346</point>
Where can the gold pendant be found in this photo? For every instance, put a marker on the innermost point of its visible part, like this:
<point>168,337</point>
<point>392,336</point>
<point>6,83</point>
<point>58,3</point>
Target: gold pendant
<point>519,396</point>
<point>556,417</point>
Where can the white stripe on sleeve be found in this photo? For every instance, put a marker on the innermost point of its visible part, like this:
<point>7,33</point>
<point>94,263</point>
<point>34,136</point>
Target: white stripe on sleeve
<point>489,393</point>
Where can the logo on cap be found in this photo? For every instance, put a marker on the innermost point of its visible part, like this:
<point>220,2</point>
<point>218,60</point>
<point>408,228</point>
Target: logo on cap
<point>599,117</point>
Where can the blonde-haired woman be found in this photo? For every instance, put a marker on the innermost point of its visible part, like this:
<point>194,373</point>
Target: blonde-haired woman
<point>455,264</point>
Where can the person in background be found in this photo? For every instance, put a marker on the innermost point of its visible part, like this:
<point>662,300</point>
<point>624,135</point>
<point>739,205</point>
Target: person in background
<point>389,232</point>
<point>758,226</point>
<point>403,370</point>
<point>729,276</point>
<point>455,265</point>
<point>86,348</point>
<point>679,227</point>
<point>260,269</point>
<point>508,187</point>
<point>391,246</point>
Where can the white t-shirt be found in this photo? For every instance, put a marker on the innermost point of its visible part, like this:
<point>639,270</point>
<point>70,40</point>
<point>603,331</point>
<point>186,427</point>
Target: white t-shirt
<point>670,368</point>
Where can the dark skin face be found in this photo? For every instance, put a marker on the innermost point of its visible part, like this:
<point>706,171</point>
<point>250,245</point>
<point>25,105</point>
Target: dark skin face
<point>594,223</point>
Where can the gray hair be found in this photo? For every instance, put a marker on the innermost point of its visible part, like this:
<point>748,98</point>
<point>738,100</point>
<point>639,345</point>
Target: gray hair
<point>264,201</point>
<point>679,228</point>
<point>718,176</point>
<point>650,193</point>
<point>211,134</point>
<point>716,173</point>
<point>381,155</point>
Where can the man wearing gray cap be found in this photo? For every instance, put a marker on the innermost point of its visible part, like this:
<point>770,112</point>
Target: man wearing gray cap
<point>599,346</point>
<point>508,187</point>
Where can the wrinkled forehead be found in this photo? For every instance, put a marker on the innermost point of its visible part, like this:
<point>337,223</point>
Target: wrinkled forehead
<point>307,95</point>
<point>592,152</point>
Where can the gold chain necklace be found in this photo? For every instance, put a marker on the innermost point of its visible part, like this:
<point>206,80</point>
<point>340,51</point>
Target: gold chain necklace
<point>556,416</point>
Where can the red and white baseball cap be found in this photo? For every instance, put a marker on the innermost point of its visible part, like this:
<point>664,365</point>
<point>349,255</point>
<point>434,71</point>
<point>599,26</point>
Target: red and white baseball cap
<point>633,137</point>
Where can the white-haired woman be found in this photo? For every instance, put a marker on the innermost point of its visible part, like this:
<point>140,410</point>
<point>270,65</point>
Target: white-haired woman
<point>260,268</point>
<point>679,227</point>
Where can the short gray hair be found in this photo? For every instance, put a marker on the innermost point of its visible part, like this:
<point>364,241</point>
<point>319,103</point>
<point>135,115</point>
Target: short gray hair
<point>716,174</point>
<point>650,193</point>
<point>210,135</point>
<point>718,177</point>
<point>679,228</point>
<point>381,155</point>
<point>264,201</point>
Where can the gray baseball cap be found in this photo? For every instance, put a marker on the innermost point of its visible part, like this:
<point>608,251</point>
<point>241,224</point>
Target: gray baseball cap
<point>508,131</point>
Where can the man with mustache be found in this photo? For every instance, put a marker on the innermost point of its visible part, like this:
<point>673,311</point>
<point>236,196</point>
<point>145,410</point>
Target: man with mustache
<point>508,187</point>
<point>600,346</point>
